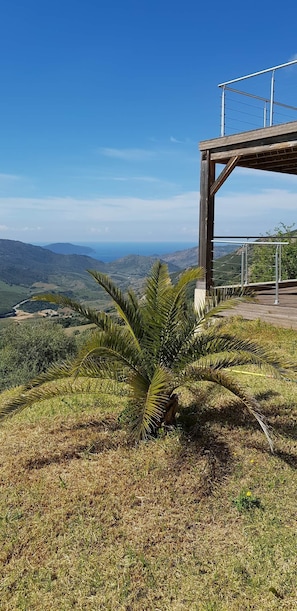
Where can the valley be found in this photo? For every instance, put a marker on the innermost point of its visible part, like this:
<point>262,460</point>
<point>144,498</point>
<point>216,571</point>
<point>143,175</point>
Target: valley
<point>26,270</point>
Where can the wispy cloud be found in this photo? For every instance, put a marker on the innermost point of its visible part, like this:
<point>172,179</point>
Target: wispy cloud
<point>162,218</point>
<point>100,230</point>
<point>158,154</point>
<point>9,177</point>
<point>128,154</point>
<point>29,228</point>
<point>175,140</point>
<point>99,208</point>
<point>130,179</point>
<point>293,58</point>
<point>247,213</point>
<point>25,228</point>
<point>265,175</point>
<point>120,216</point>
<point>150,179</point>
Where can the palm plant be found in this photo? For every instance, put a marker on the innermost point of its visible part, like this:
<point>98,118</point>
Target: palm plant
<point>153,346</point>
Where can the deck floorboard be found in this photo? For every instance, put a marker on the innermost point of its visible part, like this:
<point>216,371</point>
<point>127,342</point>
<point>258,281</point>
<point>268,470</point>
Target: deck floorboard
<point>283,315</point>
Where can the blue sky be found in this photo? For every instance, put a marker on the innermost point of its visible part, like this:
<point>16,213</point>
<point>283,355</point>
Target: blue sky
<point>103,104</point>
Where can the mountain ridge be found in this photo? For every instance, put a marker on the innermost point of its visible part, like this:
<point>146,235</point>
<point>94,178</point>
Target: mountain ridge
<point>67,248</point>
<point>26,269</point>
<point>25,264</point>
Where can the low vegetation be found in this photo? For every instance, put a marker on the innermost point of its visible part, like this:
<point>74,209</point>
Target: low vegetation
<point>10,295</point>
<point>26,269</point>
<point>90,521</point>
<point>200,518</point>
<point>27,349</point>
<point>153,349</point>
<point>263,257</point>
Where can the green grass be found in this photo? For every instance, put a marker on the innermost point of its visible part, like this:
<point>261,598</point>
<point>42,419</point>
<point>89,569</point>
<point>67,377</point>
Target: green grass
<point>90,521</point>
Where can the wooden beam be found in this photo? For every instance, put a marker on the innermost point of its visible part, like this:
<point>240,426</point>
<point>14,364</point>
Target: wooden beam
<point>276,165</point>
<point>256,134</point>
<point>266,148</point>
<point>229,167</point>
<point>206,219</point>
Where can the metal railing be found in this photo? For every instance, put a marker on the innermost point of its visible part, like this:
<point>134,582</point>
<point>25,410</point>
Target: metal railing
<point>240,275</point>
<point>258,111</point>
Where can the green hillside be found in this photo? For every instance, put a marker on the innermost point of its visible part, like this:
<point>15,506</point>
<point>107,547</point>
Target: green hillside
<point>62,248</point>
<point>27,270</point>
<point>10,294</point>
<point>227,269</point>
<point>24,264</point>
<point>189,257</point>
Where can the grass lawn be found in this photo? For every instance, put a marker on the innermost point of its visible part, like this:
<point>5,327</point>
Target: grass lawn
<point>203,519</point>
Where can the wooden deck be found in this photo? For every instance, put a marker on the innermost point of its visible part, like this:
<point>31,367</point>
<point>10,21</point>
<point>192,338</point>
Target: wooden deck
<point>282,315</point>
<point>269,148</point>
<point>272,149</point>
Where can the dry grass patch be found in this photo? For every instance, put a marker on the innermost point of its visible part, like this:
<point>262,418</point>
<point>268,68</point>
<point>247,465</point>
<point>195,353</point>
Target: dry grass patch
<point>90,521</point>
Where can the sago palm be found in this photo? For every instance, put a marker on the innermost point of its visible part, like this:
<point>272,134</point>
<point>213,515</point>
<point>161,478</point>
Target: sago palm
<point>153,345</point>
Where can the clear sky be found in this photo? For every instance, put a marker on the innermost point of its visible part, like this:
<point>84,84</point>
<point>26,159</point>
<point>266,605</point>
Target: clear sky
<point>102,106</point>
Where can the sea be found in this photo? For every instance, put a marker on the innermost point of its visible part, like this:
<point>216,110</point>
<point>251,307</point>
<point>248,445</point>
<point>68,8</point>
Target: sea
<point>110,251</point>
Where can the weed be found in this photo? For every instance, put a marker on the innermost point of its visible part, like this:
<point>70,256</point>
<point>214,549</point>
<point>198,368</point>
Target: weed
<point>245,501</point>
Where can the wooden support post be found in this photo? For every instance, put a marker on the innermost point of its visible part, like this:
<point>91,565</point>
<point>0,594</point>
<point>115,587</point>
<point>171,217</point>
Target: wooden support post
<point>206,220</point>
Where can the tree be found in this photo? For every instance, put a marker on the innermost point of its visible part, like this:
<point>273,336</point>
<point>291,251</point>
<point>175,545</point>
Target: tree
<point>27,349</point>
<point>263,257</point>
<point>155,346</point>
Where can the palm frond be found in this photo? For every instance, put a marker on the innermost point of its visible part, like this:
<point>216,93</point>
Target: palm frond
<point>227,360</point>
<point>133,298</point>
<point>212,342</point>
<point>218,302</point>
<point>154,307</point>
<point>126,306</point>
<point>100,319</point>
<point>105,351</point>
<point>159,344</point>
<point>178,318</point>
<point>57,371</point>
<point>45,391</point>
<point>149,402</point>
<point>221,378</point>
<point>157,285</point>
<point>189,275</point>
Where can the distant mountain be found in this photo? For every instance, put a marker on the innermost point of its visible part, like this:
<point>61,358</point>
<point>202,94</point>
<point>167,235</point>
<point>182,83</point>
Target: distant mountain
<point>25,264</point>
<point>62,248</point>
<point>182,259</point>
<point>138,265</point>
<point>26,269</point>
<point>189,257</point>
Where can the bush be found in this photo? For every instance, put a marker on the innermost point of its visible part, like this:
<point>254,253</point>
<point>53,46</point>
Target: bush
<point>263,257</point>
<point>27,349</point>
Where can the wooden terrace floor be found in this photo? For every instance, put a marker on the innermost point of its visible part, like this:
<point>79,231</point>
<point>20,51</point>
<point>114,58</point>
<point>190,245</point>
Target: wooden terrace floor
<point>282,315</point>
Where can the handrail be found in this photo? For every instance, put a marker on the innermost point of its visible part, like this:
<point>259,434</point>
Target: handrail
<point>244,259</point>
<point>242,78</point>
<point>271,101</point>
